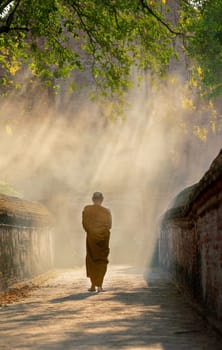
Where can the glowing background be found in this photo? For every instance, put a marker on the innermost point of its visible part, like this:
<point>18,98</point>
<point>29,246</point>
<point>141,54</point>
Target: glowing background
<point>139,162</point>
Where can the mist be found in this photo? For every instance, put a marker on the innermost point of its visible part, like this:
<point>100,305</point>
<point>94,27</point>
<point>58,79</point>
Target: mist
<point>60,156</point>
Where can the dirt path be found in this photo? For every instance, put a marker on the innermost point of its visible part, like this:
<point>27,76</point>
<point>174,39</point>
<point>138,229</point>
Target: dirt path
<point>130,315</point>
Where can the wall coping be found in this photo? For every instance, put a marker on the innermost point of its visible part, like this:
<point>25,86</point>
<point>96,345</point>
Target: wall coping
<point>184,201</point>
<point>15,211</point>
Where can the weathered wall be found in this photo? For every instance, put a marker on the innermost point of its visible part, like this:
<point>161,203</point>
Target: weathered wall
<point>191,239</point>
<point>26,240</point>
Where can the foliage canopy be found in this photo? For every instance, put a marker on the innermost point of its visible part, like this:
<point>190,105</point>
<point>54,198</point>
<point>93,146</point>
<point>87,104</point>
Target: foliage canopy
<point>54,37</point>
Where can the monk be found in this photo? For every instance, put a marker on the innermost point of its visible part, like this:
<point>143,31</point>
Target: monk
<point>97,222</point>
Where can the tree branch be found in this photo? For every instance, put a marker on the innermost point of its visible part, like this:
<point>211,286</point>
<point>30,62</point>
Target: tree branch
<point>8,21</point>
<point>4,4</point>
<point>6,29</point>
<point>79,14</point>
<point>159,19</point>
<point>11,15</point>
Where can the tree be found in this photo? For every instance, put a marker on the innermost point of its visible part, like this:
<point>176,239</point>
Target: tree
<point>54,37</point>
<point>204,24</point>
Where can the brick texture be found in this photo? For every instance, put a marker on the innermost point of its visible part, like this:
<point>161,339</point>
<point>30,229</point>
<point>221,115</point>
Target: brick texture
<point>26,240</point>
<point>190,244</point>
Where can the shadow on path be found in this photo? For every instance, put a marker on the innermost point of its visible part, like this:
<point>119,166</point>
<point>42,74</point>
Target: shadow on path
<point>74,297</point>
<point>129,315</point>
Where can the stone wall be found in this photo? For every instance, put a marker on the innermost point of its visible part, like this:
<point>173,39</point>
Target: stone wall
<point>26,240</point>
<point>190,242</point>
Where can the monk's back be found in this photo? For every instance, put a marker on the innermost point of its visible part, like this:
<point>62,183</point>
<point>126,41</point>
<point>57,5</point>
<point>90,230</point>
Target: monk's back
<point>96,218</point>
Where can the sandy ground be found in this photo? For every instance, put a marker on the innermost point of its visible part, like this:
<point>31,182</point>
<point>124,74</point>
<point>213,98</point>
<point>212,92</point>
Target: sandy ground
<point>131,315</point>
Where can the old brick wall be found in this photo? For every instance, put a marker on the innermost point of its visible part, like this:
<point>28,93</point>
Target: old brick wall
<point>26,240</point>
<point>190,244</point>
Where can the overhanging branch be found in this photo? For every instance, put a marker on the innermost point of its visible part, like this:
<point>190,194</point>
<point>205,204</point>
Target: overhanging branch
<point>7,26</point>
<point>158,18</point>
<point>6,29</point>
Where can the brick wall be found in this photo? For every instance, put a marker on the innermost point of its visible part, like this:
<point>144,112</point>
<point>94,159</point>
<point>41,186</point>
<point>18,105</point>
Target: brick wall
<point>26,240</point>
<point>190,244</point>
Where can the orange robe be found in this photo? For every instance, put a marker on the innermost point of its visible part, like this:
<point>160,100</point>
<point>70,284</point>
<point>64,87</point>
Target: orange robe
<point>96,221</point>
